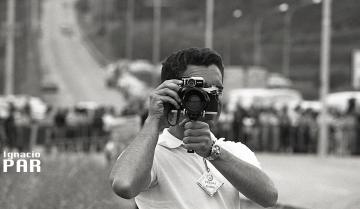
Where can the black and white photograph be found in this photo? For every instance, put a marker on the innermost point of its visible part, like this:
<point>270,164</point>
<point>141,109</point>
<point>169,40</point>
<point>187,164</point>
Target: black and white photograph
<point>179,104</point>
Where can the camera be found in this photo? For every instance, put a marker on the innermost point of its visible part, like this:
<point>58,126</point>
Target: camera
<point>197,101</point>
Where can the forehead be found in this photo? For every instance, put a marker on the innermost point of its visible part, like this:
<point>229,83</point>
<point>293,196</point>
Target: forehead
<point>211,73</point>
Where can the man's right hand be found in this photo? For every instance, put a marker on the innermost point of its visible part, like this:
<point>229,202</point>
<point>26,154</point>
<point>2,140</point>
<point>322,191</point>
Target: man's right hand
<point>164,93</point>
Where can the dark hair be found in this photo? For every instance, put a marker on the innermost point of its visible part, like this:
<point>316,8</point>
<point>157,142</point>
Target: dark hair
<point>175,65</point>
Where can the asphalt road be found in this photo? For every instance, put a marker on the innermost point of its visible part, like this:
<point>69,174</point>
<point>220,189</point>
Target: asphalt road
<point>67,61</point>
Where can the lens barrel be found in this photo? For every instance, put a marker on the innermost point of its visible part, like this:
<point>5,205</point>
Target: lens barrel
<point>194,101</point>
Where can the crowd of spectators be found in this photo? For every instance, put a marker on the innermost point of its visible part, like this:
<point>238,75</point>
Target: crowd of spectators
<point>75,129</point>
<point>291,130</point>
<point>67,129</point>
<point>15,127</point>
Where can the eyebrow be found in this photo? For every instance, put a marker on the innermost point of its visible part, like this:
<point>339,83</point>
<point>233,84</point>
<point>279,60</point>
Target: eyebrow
<point>220,87</point>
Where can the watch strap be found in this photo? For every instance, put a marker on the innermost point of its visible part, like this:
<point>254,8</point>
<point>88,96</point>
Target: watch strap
<point>214,153</point>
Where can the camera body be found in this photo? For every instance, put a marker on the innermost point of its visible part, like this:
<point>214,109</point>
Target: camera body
<point>193,82</point>
<point>196,101</point>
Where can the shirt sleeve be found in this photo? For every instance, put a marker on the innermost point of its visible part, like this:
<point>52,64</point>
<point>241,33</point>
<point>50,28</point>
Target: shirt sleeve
<point>241,151</point>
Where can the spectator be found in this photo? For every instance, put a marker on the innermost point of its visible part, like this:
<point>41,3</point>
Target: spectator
<point>303,138</point>
<point>255,129</point>
<point>349,126</point>
<point>47,127</point>
<point>285,128</point>
<point>314,130</point>
<point>98,129</point>
<point>264,118</point>
<point>22,124</point>
<point>237,125</point>
<point>60,125</point>
<point>10,128</point>
<point>274,137</point>
<point>294,131</point>
<point>249,126</point>
<point>2,134</point>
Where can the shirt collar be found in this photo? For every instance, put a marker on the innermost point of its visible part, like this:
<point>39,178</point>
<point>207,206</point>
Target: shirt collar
<point>166,139</point>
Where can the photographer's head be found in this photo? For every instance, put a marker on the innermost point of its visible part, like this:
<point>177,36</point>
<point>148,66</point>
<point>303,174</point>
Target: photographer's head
<point>177,63</point>
<point>197,62</point>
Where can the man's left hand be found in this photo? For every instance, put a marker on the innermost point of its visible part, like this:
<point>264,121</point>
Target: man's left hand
<point>197,137</point>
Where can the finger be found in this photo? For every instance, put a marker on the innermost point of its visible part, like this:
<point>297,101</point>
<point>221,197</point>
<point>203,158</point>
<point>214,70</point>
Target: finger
<point>172,84</point>
<point>196,139</point>
<point>167,99</point>
<point>169,92</point>
<point>196,125</point>
<point>196,132</point>
<point>195,146</point>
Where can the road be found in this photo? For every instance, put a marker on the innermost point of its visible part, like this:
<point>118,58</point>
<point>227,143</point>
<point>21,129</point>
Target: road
<point>308,181</point>
<point>67,61</point>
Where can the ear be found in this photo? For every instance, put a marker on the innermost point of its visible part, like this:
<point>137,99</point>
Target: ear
<point>219,109</point>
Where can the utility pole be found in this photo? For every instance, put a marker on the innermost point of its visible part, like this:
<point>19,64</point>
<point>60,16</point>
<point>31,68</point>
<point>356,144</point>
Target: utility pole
<point>32,45</point>
<point>130,29</point>
<point>35,16</point>
<point>257,43</point>
<point>288,16</point>
<point>257,53</point>
<point>324,67</point>
<point>286,45</point>
<point>209,22</point>
<point>31,70</point>
<point>9,51</point>
<point>156,31</point>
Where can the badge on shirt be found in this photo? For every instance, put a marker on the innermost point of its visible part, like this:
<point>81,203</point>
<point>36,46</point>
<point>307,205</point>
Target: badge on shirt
<point>209,183</point>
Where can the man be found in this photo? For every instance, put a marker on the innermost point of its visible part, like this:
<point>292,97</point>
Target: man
<point>159,172</point>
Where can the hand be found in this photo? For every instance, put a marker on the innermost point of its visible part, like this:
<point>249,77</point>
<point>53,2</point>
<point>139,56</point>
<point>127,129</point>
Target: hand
<point>164,93</point>
<point>197,137</point>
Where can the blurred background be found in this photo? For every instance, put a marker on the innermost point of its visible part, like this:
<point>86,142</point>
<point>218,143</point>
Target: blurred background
<point>75,76</point>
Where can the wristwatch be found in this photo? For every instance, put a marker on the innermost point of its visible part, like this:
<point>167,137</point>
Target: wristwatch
<point>214,153</point>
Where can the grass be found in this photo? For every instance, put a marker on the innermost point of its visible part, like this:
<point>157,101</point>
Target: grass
<point>71,181</point>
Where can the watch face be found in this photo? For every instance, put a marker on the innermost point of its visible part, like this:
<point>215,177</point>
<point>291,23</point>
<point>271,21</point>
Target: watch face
<point>215,153</point>
<point>217,150</point>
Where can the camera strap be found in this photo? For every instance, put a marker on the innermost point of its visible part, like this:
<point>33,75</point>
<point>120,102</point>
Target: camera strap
<point>178,112</point>
<point>178,116</point>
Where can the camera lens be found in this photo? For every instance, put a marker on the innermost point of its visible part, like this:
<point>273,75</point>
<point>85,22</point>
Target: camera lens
<point>194,103</point>
<point>191,82</point>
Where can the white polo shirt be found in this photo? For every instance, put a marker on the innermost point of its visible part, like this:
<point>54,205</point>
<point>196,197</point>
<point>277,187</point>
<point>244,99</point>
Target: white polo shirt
<point>175,172</point>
